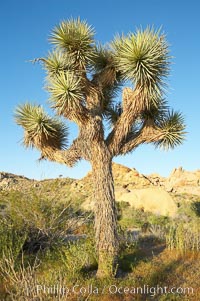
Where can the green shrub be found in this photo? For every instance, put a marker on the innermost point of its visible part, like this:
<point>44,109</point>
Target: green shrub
<point>11,239</point>
<point>189,207</point>
<point>31,223</point>
<point>46,221</point>
<point>131,217</point>
<point>158,220</point>
<point>158,232</point>
<point>195,206</point>
<point>78,256</point>
<point>18,280</point>
<point>184,236</point>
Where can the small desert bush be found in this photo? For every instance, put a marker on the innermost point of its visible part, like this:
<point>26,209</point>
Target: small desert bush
<point>63,266</point>
<point>131,217</point>
<point>195,206</point>
<point>158,232</point>
<point>188,207</point>
<point>46,222</point>
<point>11,239</point>
<point>138,218</point>
<point>78,257</point>
<point>37,229</point>
<point>184,236</point>
<point>19,279</point>
<point>159,220</point>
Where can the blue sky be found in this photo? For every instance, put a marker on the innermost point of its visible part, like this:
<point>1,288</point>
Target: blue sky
<point>24,30</point>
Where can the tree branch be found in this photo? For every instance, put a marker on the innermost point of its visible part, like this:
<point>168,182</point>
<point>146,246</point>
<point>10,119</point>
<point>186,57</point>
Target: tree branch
<point>132,106</point>
<point>68,157</point>
<point>80,116</point>
<point>148,133</point>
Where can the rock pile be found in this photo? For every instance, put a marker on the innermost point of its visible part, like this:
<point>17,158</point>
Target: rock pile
<point>179,181</point>
<point>10,181</point>
<point>151,193</point>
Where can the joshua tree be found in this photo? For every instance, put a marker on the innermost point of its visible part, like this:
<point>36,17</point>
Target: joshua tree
<point>84,78</point>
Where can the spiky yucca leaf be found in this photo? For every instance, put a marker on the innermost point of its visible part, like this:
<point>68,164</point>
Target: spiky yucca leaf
<point>173,128</point>
<point>156,112</point>
<point>57,61</point>
<point>77,38</point>
<point>108,94</point>
<point>103,59</point>
<point>65,92</point>
<point>107,77</point>
<point>143,58</point>
<point>40,129</point>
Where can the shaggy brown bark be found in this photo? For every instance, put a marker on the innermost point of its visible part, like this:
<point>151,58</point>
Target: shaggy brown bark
<point>105,212</point>
<point>132,107</point>
<point>149,133</point>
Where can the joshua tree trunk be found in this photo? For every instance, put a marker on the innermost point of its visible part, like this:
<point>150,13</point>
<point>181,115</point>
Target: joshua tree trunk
<point>105,213</point>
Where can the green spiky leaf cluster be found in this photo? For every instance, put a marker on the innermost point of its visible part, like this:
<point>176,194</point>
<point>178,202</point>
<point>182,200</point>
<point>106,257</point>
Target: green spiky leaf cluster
<point>104,66</point>
<point>156,112</point>
<point>79,69</point>
<point>75,37</point>
<point>57,61</point>
<point>66,65</point>
<point>65,92</point>
<point>40,129</point>
<point>144,59</point>
<point>108,79</point>
<point>109,94</point>
<point>103,59</point>
<point>173,128</point>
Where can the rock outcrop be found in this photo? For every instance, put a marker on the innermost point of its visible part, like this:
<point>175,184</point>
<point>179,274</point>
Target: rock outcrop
<point>182,181</point>
<point>155,200</point>
<point>179,181</point>
<point>10,181</point>
<point>151,193</point>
